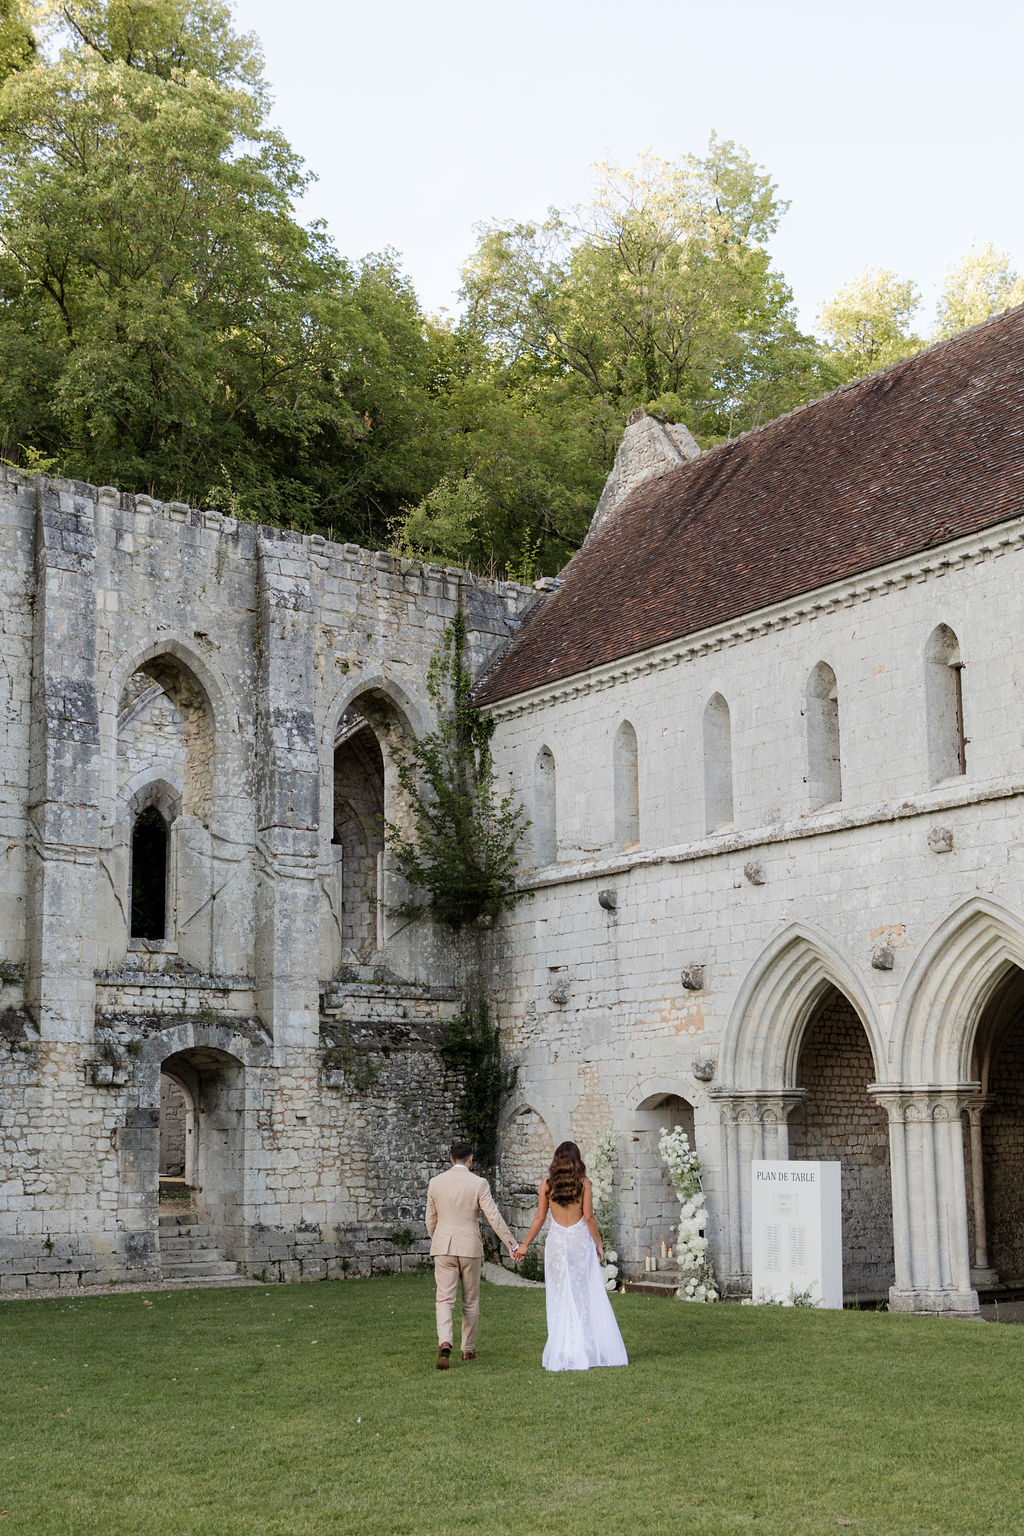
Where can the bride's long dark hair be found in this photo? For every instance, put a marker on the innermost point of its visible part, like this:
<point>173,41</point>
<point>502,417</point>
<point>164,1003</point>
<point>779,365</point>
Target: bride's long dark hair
<point>566,1175</point>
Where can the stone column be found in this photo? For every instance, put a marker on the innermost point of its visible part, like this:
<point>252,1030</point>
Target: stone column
<point>929,1198</point>
<point>982,1275</point>
<point>288,797</point>
<point>64,769</point>
<point>754,1127</point>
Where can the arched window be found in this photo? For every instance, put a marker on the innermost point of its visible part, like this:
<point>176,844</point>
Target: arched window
<point>626,786</point>
<point>824,766</point>
<point>944,705</point>
<point>545,830</point>
<point>149,875</point>
<point>717,764</point>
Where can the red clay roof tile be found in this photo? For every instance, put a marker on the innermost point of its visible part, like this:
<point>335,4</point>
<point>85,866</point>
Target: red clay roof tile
<point>924,452</point>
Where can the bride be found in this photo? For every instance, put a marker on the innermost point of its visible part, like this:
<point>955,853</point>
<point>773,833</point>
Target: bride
<point>582,1330</point>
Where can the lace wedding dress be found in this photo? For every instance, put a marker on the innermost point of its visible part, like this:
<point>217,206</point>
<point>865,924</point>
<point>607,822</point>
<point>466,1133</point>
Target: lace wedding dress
<point>582,1330</point>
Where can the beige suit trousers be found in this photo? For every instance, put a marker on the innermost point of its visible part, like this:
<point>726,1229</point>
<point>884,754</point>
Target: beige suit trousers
<point>449,1270</point>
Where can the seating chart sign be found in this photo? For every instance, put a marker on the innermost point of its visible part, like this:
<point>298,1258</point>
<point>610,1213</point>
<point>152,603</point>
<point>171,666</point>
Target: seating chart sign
<point>797,1232</point>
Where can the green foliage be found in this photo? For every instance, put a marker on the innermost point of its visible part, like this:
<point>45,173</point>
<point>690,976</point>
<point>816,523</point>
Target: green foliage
<point>403,1238</point>
<point>867,324</point>
<point>341,1053</point>
<point>461,849</point>
<point>983,284</point>
<point>659,292</point>
<point>471,1046</point>
<point>17,45</point>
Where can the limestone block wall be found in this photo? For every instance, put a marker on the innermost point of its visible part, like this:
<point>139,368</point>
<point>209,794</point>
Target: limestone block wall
<point>862,897</point>
<point>163,654</point>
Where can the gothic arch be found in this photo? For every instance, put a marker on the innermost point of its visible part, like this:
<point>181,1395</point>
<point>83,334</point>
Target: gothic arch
<point>212,688</point>
<point>410,716</point>
<point>682,1086</point>
<point>959,969</point>
<point>761,1047</point>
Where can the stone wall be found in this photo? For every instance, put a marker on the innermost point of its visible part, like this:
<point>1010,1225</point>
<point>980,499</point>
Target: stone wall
<point>901,897</point>
<point>161,655</point>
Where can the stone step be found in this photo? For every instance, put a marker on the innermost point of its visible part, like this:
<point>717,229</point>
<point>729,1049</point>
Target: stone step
<point>218,1268</point>
<point>651,1287</point>
<point>204,1282</point>
<point>174,1248</point>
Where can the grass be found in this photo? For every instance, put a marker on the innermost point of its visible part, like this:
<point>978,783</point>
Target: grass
<point>294,1410</point>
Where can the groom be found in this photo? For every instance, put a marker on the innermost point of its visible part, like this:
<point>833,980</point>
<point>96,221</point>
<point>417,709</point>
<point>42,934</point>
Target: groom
<point>454,1202</point>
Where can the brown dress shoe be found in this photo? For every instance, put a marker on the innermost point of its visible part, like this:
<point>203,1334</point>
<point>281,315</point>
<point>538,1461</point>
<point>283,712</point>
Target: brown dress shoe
<point>443,1352</point>
<point>469,1354</point>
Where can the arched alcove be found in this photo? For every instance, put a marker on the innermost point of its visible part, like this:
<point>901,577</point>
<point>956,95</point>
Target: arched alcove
<point>545,825</point>
<point>626,786</point>
<point>527,1147</point>
<point>944,705</point>
<point>994,1138</point>
<point>718,806</point>
<point>371,733</point>
<point>836,1119</point>
<point>648,1202</point>
<point>824,755</point>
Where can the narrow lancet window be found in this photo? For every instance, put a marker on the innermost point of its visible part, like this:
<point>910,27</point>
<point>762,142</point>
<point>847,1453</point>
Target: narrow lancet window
<point>149,875</point>
<point>824,761</point>
<point>545,830</point>
<point>626,786</point>
<point>718,813</point>
<point>944,705</point>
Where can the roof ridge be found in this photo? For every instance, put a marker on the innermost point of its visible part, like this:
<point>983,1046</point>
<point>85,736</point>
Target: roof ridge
<point>850,387</point>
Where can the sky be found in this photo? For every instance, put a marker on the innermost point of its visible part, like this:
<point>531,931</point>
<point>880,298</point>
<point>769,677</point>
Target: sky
<point>894,130</point>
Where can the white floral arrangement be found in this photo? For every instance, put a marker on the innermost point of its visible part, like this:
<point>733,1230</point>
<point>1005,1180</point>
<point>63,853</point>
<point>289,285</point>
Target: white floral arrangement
<point>696,1274</point>
<point>601,1172</point>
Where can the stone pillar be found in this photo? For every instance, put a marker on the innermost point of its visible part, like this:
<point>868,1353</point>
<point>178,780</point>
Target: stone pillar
<point>64,769</point>
<point>929,1198</point>
<point>288,797</point>
<point>754,1126</point>
<point>982,1275</point>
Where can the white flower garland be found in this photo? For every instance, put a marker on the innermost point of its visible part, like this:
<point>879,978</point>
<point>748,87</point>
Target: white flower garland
<point>696,1275</point>
<point>601,1171</point>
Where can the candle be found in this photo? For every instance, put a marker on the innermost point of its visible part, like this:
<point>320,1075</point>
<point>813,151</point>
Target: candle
<point>647,1263</point>
<point>664,1250</point>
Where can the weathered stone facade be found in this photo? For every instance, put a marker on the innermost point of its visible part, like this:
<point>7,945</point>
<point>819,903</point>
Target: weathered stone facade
<point>775,870</point>
<point>811,934</point>
<point>206,679</point>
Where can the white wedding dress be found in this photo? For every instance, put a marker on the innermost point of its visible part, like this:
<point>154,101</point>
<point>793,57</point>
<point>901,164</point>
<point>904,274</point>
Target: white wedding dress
<point>582,1331</point>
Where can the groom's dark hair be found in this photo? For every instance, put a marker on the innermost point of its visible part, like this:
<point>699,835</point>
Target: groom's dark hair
<point>460,1150</point>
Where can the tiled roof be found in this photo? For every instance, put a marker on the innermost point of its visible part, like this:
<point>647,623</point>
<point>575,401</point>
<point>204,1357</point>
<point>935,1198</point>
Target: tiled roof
<point>926,451</point>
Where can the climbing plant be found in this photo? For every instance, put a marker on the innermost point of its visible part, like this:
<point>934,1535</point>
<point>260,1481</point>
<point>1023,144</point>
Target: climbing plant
<point>461,850</point>
<point>471,1046</point>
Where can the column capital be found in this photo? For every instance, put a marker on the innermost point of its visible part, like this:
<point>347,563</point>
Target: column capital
<point>911,1102</point>
<point>757,1105</point>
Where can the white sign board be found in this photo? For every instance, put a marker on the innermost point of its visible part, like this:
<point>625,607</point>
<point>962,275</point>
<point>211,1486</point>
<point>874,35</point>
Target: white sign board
<point>797,1232</point>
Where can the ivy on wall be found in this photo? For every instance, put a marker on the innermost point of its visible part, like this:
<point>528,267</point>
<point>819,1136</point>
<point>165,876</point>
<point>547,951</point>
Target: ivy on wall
<point>461,850</point>
<point>471,1046</point>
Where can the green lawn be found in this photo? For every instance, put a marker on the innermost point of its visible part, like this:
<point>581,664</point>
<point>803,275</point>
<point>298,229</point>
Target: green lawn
<point>289,1410</point>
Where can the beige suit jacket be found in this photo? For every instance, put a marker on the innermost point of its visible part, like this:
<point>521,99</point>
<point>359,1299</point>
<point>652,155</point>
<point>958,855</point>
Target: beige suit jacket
<point>454,1202</point>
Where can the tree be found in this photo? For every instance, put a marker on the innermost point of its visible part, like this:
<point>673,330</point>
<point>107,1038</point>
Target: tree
<point>461,852</point>
<point>867,324</point>
<point>660,294</point>
<point>17,45</point>
<point>166,322</point>
<point>983,284</point>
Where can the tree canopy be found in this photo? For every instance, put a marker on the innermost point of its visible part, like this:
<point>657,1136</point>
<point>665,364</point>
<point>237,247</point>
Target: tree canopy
<point>168,324</point>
